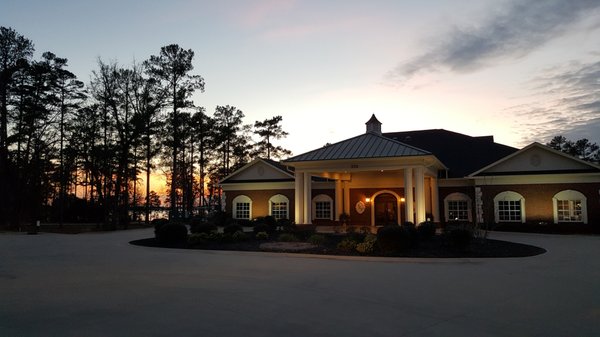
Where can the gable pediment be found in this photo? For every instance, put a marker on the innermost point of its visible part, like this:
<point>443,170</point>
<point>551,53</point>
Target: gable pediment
<point>259,170</point>
<point>537,158</point>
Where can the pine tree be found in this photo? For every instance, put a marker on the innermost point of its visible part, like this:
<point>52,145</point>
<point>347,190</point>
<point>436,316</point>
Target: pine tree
<point>172,69</point>
<point>269,130</point>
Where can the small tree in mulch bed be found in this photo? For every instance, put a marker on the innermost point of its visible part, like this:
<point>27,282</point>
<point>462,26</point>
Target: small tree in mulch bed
<point>172,234</point>
<point>459,235</point>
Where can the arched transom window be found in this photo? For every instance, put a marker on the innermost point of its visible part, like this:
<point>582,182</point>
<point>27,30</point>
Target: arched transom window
<point>242,207</point>
<point>279,206</point>
<point>457,207</point>
<point>569,206</point>
<point>322,207</point>
<point>509,206</point>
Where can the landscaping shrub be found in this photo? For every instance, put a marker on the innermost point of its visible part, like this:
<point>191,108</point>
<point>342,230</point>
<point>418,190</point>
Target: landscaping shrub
<point>317,239</point>
<point>411,233</point>
<point>286,225</point>
<point>197,239</point>
<point>239,236</point>
<point>220,219</point>
<point>459,234</point>
<point>265,224</point>
<point>270,221</point>
<point>202,227</point>
<point>304,232</point>
<point>230,229</point>
<point>158,224</point>
<point>426,230</point>
<point>347,245</point>
<point>368,245</point>
<point>460,237</point>
<point>172,233</point>
<point>393,239</point>
<point>217,237</point>
<point>262,236</point>
<point>287,237</point>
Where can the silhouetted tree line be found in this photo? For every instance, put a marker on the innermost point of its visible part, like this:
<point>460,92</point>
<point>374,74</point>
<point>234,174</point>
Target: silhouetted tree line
<point>582,148</point>
<point>71,152</point>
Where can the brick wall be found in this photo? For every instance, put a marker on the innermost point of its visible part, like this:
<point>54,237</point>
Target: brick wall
<point>260,201</point>
<point>446,191</point>
<point>538,200</point>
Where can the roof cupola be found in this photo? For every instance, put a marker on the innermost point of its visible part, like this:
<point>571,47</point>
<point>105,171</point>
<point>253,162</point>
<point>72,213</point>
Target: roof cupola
<point>373,125</point>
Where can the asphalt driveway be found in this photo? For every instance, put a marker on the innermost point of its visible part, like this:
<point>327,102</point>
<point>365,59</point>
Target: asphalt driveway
<point>100,285</point>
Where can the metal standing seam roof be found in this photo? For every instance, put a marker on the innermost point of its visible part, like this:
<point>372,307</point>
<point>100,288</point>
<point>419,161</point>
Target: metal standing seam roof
<point>368,145</point>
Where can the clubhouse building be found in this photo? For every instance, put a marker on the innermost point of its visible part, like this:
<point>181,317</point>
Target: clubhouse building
<point>430,175</point>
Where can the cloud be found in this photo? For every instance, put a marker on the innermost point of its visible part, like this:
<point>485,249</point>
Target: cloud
<point>516,31</point>
<point>566,101</point>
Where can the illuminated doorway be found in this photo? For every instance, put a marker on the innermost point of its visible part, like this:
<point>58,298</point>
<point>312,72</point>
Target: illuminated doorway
<point>386,209</point>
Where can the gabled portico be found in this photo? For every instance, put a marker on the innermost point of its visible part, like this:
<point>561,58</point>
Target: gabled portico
<point>366,169</point>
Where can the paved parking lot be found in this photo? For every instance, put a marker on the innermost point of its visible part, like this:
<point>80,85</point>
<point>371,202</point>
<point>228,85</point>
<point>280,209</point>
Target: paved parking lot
<point>100,285</point>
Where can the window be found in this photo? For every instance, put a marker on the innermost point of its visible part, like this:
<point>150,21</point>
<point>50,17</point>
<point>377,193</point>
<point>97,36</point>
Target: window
<point>323,210</point>
<point>458,210</point>
<point>570,206</point>
<point>322,207</point>
<point>458,207</point>
<point>242,207</point>
<point>278,207</point>
<point>569,210</point>
<point>509,210</point>
<point>509,206</point>
<point>279,210</point>
<point>242,210</point>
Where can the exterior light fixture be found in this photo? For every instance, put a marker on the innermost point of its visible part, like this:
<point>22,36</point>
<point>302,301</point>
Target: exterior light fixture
<point>402,200</point>
<point>368,200</point>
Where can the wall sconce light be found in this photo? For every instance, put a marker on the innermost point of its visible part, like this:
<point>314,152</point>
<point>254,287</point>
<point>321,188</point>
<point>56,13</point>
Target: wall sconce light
<point>402,200</point>
<point>367,200</point>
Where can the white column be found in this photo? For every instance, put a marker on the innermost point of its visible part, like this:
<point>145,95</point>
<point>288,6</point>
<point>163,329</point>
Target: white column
<point>339,203</point>
<point>420,194</point>
<point>408,194</point>
<point>307,199</point>
<point>435,200</point>
<point>299,197</point>
<point>346,198</point>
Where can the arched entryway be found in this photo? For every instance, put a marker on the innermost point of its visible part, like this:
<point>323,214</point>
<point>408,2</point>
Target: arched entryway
<point>386,208</point>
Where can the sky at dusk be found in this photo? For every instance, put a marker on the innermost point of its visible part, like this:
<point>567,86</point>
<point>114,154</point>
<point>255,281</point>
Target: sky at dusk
<point>521,70</point>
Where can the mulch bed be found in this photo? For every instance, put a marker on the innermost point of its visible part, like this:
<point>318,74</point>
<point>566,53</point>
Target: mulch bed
<point>436,247</point>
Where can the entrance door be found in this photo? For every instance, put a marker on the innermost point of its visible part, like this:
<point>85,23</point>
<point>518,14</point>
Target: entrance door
<point>386,209</point>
